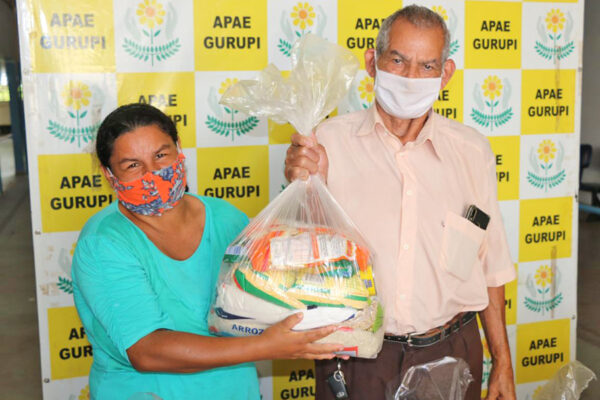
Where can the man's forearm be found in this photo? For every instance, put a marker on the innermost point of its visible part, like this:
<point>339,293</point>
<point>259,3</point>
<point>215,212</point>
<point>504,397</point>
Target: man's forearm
<point>492,319</point>
<point>501,383</point>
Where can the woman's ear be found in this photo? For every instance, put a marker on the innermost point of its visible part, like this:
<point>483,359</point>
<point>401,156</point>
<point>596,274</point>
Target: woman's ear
<point>107,174</point>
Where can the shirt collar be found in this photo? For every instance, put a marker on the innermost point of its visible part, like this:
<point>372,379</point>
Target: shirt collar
<point>429,132</point>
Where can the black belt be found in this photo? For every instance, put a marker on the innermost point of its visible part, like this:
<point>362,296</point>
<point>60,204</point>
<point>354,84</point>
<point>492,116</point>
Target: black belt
<point>436,334</point>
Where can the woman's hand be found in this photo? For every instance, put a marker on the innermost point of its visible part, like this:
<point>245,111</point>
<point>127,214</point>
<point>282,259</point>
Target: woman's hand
<point>174,351</point>
<point>281,342</point>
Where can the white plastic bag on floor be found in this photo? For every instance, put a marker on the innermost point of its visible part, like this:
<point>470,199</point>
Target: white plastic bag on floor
<point>445,379</point>
<point>567,383</point>
<point>302,252</point>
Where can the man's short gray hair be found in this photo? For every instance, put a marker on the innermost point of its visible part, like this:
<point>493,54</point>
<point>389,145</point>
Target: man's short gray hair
<point>419,16</point>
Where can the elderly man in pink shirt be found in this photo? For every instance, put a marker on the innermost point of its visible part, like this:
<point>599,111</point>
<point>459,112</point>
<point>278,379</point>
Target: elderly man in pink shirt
<point>407,176</point>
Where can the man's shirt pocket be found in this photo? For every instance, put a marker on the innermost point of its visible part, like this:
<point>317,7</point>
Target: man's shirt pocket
<point>461,243</point>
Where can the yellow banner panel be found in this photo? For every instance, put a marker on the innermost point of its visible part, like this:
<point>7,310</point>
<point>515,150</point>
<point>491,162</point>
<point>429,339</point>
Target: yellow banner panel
<point>280,133</point>
<point>230,35</point>
<point>506,149</point>
<point>359,22</point>
<point>545,229</point>
<point>510,301</point>
<point>492,34</point>
<point>70,351</point>
<point>72,189</point>
<point>450,99</point>
<point>542,348</point>
<point>294,379</point>
<point>239,175</point>
<point>172,93</point>
<point>548,101</point>
<point>72,36</point>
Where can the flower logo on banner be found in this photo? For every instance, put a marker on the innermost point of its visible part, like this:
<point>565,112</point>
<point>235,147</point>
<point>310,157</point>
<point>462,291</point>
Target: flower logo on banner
<point>451,23</point>
<point>151,33</point>
<point>151,14</point>
<point>76,97</point>
<point>546,150</point>
<point>301,20</point>
<point>224,121</point>
<point>303,15</point>
<point>85,393</point>
<point>555,20</point>
<point>556,28</point>
<point>535,393</point>
<point>492,87</point>
<point>488,113</point>
<point>487,363</point>
<point>542,296</point>
<point>362,95</point>
<point>76,94</point>
<point>64,262</point>
<point>543,276</point>
<point>546,165</point>
<point>366,88</point>
<point>441,11</point>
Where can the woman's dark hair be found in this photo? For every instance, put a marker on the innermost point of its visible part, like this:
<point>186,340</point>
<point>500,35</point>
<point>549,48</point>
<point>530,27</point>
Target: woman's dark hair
<point>126,119</point>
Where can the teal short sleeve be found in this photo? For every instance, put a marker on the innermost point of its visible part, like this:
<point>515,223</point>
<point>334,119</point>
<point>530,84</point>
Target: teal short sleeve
<point>116,288</point>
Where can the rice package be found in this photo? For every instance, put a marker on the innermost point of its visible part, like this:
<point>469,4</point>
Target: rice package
<point>302,252</point>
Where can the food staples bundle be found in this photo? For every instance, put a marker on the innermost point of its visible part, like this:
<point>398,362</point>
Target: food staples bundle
<point>270,274</point>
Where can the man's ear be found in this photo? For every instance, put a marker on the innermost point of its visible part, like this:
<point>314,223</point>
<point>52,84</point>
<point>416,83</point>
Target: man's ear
<point>448,71</point>
<point>370,62</point>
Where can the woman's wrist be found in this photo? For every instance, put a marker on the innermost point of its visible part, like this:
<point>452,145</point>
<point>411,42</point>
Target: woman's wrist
<point>259,348</point>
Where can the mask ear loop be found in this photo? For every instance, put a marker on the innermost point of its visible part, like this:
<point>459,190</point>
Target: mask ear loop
<point>375,60</point>
<point>114,181</point>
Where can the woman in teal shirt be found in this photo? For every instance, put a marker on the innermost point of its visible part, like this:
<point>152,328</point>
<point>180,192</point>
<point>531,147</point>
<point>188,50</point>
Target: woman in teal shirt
<point>145,270</point>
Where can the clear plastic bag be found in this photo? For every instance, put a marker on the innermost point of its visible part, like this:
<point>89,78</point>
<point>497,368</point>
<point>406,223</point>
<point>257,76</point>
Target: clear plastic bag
<point>302,252</point>
<point>445,379</point>
<point>567,383</point>
<point>321,75</point>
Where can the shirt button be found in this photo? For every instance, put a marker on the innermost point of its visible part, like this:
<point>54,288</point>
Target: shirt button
<point>409,192</point>
<point>406,246</point>
<point>402,296</point>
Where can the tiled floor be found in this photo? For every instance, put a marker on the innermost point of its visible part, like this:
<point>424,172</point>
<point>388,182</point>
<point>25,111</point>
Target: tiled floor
<point>20,377</point>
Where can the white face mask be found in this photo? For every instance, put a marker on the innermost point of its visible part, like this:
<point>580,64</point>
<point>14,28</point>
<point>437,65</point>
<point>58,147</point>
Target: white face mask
<point>405,98</point>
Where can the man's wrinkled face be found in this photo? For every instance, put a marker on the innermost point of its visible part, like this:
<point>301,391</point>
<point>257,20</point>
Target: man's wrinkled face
<point>413,52</point>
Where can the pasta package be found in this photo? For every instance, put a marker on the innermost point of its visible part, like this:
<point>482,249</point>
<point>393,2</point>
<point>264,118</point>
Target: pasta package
<point>302,253</point>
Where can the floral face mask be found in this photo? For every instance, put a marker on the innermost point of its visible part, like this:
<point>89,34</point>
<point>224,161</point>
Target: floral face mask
<point>155,192</point>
